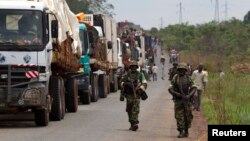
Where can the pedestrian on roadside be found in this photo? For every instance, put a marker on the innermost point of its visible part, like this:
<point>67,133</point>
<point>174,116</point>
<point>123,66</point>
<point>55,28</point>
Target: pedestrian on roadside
<point>190,69</point>
<point>182,89</point>
<point>162,60</point>
<point>133,84</point>
<point>221,74</point>
<point>200,79</point>
<point>154,70</point>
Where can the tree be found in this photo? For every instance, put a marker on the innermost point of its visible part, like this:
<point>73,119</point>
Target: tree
<point>247,17</point>
<point>77,6</point>
<point>101,6</point>
<point>91,6</point>
<point>153,31</point>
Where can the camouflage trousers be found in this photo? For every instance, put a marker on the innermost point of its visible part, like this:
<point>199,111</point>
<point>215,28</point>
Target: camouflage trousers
<point>183,115</point>
<point>133,109</point>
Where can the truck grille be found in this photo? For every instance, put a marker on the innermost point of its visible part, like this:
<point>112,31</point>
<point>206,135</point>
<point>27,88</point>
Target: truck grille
<point>11,75</point>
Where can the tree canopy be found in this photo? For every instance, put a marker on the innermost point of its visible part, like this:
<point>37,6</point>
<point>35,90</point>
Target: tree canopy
<point>91,6</point>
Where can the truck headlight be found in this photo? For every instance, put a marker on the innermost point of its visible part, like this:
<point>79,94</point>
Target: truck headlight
<point>4,76</point>
<point>33,96</point>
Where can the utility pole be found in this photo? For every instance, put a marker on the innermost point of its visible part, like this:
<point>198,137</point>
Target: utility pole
<point>226,10</point>
<point>180,12</point>
<point>217,12</point>
<point>161,24</point>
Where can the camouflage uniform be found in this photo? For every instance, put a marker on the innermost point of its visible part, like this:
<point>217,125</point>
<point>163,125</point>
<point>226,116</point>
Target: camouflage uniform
<point>172,71</point>
<point>139,82</point>
<point>181,85</point>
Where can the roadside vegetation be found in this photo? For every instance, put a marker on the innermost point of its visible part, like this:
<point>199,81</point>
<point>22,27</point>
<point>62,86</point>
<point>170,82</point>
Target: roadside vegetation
<point>223,46</point>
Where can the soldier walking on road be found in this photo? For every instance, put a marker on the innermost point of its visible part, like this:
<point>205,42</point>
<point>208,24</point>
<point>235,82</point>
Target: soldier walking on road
<point>182,88</point>
<point>133,84</point>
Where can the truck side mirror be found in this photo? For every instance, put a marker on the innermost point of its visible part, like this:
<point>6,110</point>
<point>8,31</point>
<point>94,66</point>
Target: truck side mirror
<point>110,45</point>
<point>54,28</point>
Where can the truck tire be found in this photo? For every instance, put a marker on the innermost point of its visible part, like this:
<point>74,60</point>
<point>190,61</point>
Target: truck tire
<point>85,96</point>
<point>71,95</point>
<point>102,86</point>
<point>55,92</point>
<point>114,84</point>
<point>107,82</point>
<point>42,117</point>
<point>94,87</point>
<point>63,96</point>
<point>118,83</point>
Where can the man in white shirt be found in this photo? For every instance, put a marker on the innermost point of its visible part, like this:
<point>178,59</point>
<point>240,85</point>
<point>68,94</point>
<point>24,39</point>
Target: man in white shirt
<point>200,79</point>
<point>154,70</point>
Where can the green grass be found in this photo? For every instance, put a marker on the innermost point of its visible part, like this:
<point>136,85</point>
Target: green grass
<point>226,101</point>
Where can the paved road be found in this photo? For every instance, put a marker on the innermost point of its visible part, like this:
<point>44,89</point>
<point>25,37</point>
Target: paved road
<point>106,120</point>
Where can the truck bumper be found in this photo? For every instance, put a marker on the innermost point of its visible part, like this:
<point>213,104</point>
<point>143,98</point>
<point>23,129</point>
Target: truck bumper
<point>22,97</point>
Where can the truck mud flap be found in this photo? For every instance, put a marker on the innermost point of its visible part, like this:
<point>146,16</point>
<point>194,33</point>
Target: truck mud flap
<point>41,117</point>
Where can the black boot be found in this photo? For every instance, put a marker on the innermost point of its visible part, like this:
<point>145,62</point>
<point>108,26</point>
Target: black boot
<point>186,132</point>
<point>182,133</point>
<point>131,126</point>
<point>135,127</point>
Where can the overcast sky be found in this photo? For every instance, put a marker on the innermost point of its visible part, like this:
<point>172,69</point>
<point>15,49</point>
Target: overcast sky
<point>148,13</point>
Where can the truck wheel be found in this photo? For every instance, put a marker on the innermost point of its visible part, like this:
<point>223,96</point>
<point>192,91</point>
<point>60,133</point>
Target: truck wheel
<point>107,82</point>
<point>114,84</point>
<point>102,85</point>
<point>118,83</point>
<point>55,92</point>
<point>41,117</point>
<point>85,96</point>
<point>94,87</point>
<point>72,95</point>
<point>62,92</point>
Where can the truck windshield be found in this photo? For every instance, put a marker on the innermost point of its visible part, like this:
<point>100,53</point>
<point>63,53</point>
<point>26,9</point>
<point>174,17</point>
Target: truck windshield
<point>21,29</point>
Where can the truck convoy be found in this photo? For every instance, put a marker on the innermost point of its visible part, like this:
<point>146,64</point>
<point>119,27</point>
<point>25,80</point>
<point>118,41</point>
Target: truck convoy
<point>50,56</point>
<point>101,51</point>
<point>135,44</point>
<point>39,59</point>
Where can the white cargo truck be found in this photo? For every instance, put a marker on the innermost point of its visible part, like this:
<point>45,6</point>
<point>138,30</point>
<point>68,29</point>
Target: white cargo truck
<point>39,55</point>
<point>104,54</point>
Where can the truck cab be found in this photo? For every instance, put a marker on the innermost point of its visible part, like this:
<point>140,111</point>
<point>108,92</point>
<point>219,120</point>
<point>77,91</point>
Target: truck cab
<point>35,61</point>
<point>24,59</point>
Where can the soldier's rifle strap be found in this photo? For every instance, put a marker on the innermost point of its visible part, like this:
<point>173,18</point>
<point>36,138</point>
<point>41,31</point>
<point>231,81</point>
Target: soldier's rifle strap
<point>133,87</point>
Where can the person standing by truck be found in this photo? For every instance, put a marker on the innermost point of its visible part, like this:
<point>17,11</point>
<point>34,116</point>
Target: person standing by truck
<point>133,84</point>
<point>162,60</point>
<point>154,70</point>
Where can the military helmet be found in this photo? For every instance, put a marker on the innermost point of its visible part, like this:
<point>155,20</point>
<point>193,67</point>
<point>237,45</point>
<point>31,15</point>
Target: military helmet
<point>182,66</point>
<point>133,63</point>
<point>175,63</point>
